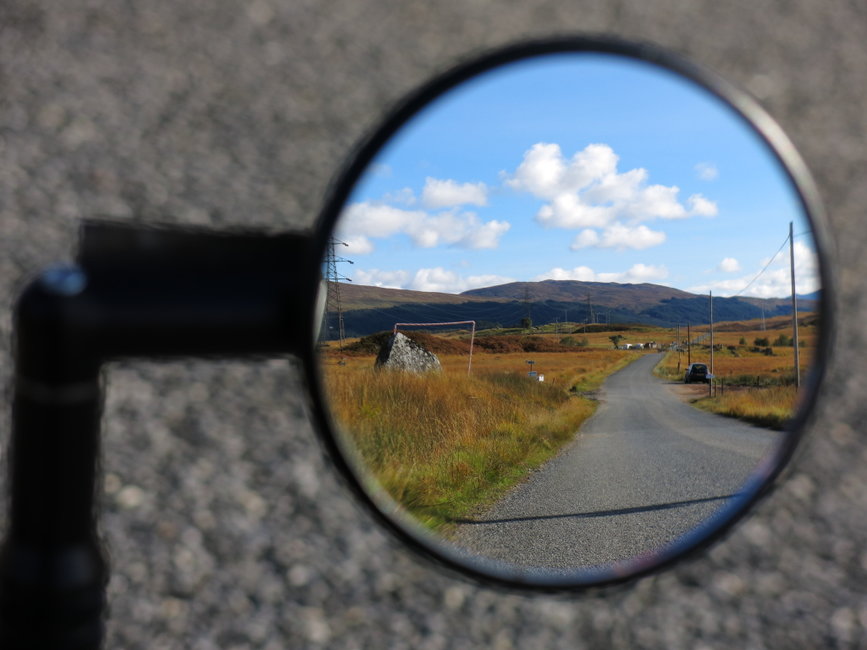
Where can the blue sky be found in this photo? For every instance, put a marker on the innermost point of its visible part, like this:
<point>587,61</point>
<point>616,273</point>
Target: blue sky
<point>580,166</point>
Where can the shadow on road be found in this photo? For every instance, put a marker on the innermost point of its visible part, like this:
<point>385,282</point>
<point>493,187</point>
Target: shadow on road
<point>599,513</point>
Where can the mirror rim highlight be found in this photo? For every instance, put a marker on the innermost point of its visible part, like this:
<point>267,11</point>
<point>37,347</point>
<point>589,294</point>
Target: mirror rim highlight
<point>486,570</point>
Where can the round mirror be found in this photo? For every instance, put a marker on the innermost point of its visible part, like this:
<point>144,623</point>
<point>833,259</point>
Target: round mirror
<point>573,312</point>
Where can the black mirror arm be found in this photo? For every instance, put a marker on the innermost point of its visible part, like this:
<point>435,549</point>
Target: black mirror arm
<point>135,292</point>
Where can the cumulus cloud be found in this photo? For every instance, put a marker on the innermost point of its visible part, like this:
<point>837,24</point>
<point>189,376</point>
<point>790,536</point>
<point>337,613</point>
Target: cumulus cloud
<point>545,173</point>
<point>358,245</point>
<point>619,236</point>
<point>698,205</point>
<point>362,222</point>
<point>706,171</point>
<point>377,278</point>
<point>775,281</point>
<point>729,265</point>
<point>446,281</point>
<point>636,274</point>
<point>448,193</point>
<point>428,279</point>
<point>580,273</point>
<point>587,192</point>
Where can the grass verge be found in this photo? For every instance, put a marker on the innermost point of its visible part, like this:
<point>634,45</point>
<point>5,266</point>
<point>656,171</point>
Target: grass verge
<point>444,444</point>
<point>763,393</point>
<point>770,406</point>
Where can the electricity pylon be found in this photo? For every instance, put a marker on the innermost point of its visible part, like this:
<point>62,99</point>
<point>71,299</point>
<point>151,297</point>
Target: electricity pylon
<point>333,278</point>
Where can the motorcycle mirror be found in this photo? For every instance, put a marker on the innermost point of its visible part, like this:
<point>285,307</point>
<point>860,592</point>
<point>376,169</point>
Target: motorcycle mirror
<point>618,214</point>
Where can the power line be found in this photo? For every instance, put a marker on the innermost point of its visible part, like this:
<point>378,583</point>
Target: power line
<point>750,283</point>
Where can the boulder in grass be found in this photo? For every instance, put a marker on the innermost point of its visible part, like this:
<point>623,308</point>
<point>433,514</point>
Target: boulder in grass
<point>402,353</point>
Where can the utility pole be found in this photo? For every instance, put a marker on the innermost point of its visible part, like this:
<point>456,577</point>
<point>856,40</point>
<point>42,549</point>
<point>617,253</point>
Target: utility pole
<point>590,310</point>
<point>794,308</point>
<point>710,306</point>
<point>710,313</point>
<point>333,278</point>
<point>688,345</point>
<point>527,305</point>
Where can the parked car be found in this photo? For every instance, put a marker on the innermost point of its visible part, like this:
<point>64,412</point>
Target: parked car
<point>696,372</point>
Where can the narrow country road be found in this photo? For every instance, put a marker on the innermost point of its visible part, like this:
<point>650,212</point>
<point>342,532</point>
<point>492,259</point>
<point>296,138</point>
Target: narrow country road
<point>645,469</point>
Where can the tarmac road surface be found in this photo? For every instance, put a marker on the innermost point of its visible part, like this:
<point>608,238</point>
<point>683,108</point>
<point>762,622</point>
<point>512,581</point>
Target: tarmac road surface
<point>645,469</point>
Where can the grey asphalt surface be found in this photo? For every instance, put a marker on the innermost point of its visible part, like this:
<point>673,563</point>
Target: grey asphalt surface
<point>644,470</point>
<point>225,525</point>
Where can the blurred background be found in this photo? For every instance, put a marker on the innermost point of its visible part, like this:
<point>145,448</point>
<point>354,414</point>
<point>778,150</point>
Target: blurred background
<point>225,525</point>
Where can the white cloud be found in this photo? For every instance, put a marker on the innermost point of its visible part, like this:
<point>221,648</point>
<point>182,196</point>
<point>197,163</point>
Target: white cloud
<point>546,174</point>
<point>448,193</point>
<point>729,265</point>
<point>706,171</point>
<point>702,207</point>
<point>619,236</point>
<point>370,219</point>
<point>486,235</point>
<point>569,211</point>
<point>435,279</point>
<point>377,278</point>
<point>362,222</point>
<point>445,281</point>
<point>636,274</point>
<point>776,280</point>
<point>358,245</point>
<point>580,273</point>
<point>585,239</point>
<point>587,192</point>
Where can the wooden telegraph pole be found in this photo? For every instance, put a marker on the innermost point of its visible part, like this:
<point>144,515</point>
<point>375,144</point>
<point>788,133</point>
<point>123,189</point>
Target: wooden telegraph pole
<point>710,308</point>
<point>794,308</point>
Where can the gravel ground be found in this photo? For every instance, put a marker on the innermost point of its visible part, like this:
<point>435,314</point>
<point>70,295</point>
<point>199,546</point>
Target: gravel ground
<point>645,469</point>
<point>226,527</point>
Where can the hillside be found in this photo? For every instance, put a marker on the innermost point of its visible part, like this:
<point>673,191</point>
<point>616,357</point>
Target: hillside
<point>604,294</point>
<point>357,296</point>
<point>371,309</point>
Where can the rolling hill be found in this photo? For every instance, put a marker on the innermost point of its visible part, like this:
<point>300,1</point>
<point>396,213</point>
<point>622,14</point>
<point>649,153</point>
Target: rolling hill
<point>369,309</point>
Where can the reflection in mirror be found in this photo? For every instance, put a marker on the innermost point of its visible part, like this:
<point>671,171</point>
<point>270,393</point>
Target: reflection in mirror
<point>569,337</point>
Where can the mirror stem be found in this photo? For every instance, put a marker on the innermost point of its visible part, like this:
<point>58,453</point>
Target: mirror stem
<point>135,292</point>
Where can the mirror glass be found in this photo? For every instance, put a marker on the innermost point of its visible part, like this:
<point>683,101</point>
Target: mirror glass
<point>562,333</point>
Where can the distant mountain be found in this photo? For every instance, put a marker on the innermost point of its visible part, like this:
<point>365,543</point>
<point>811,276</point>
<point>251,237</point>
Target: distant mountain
<point>357,296</point>
<point>371,309</point>
<point>606,294</point>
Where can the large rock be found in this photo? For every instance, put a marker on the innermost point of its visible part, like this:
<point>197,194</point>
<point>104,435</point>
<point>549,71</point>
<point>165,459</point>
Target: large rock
<point>402,353</point>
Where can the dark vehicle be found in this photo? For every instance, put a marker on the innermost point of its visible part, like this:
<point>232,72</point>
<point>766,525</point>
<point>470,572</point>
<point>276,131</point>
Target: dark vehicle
<point>696,372</point>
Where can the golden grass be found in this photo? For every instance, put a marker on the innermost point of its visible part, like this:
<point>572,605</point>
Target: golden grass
<point>443,444</point>
<point>771,406</point>
<point>739,365</point>
<point>755,387</point>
